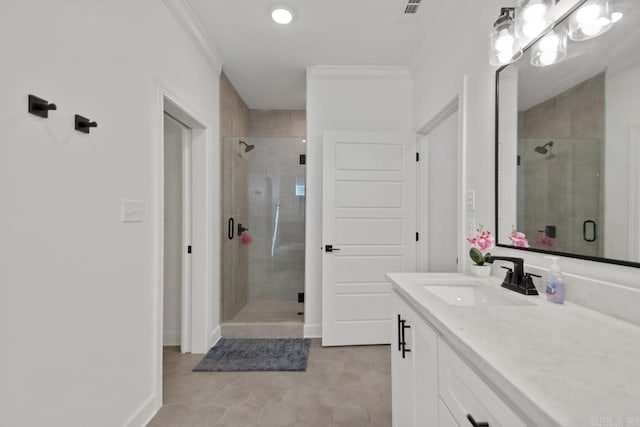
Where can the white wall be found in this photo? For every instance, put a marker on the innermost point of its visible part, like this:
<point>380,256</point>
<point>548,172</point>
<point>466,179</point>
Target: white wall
<point>79,289</point>
<point>343,98</point>
<point>622,98</point>
<point>171,316</point>
<point>461,49</point>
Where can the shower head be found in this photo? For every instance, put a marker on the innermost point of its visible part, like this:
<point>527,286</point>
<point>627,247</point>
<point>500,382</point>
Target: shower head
<point>542,149</point>
<point>247,147</point>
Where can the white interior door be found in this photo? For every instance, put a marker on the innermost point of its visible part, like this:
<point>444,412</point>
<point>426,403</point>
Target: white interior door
<point>369,219</point>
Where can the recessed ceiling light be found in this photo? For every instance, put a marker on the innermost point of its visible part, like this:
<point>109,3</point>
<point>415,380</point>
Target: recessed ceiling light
<point>282,15</point>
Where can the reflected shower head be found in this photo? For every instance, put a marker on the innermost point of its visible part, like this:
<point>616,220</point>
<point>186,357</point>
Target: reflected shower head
<point>247,147</point>
<point>542,149</point>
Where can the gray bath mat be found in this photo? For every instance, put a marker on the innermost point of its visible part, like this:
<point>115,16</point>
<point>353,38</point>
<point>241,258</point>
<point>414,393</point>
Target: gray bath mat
<point>249,354</point>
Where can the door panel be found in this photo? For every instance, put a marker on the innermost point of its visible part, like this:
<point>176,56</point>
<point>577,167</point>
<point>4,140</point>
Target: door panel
<point>369,215</point>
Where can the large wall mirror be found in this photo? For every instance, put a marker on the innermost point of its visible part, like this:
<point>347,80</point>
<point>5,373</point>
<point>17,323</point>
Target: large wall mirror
<point>568,143</point>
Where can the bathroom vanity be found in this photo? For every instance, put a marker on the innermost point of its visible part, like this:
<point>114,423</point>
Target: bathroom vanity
<point>467,352</point>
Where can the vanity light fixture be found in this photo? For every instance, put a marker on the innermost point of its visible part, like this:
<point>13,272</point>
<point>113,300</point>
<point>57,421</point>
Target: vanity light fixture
<point>282,15</point>
<point>616,16</point>
<point>591,20</point>
<point>551,48</point>
<point>505,46</point>
<point>515,27</point>
<point>533,17</point>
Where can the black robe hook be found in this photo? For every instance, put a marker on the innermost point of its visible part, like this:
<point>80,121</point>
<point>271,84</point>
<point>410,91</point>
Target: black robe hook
<point>82,124</point>
<point>40,107</point>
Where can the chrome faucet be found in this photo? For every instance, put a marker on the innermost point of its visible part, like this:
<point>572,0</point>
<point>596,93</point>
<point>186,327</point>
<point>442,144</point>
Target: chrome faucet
<point>516,279</point>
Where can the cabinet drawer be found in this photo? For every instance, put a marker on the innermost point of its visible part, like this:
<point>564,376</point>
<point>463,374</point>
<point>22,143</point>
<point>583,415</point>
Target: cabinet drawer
<point>465,393</point>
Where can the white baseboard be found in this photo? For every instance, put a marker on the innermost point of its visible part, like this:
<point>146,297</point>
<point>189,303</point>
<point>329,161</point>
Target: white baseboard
<point>215,336</point>
<point>313,331</point>
<point>143,414</point>
<point>172,338</point>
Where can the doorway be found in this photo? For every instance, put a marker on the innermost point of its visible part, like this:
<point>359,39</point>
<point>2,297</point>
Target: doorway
<point>441,188</point>
<point>177,233</point>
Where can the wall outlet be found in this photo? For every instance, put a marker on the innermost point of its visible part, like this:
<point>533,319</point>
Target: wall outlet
<point>132,210</point>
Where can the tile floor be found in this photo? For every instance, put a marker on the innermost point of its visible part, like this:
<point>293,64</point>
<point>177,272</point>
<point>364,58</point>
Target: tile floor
<point>342,387</point>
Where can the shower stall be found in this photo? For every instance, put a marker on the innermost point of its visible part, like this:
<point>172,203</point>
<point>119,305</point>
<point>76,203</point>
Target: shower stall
<point>560,189</point>
<point>263,220</point>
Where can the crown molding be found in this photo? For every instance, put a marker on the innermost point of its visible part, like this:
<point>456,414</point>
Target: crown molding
<point>339,72</point>
<point>190,24</point>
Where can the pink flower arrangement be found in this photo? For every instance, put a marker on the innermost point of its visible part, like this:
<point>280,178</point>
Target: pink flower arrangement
<point>518,239</point>
<point>481,242</point>
<point>545,241</point>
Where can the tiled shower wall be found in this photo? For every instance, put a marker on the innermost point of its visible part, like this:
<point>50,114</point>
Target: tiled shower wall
<point>234,122</point>
<point>574,116</point>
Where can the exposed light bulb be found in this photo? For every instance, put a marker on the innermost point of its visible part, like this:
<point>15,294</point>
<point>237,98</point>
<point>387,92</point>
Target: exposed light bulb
<point>550,43</point>
<point>616,16</point>
<point>505,41</point>
<point>534,28</point>
<point>282,16</point>
<point>505,57</point>
<point>535,12</point>
<point>588,14</point>
<point>591,29</point>
<point>548,58</point>
<point>603,21</point>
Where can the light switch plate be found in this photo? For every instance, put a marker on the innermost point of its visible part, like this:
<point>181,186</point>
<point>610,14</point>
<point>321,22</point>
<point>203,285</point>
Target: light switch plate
<point>471,200</point>
<point>132,210</point>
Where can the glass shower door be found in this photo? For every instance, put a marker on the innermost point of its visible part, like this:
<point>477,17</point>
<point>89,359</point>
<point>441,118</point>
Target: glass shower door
<point>273,185</point>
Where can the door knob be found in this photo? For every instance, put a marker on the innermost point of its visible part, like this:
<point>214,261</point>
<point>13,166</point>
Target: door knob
<point>330,248</point>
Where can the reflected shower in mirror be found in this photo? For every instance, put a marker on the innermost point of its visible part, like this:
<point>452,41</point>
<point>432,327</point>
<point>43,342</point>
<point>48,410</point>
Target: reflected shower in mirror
<point>568,145</point>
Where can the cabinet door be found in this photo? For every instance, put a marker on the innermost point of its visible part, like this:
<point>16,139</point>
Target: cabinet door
<point>425,367</point>
<point>402,375</point>
<point>465,393</point>
<point>444,416</point>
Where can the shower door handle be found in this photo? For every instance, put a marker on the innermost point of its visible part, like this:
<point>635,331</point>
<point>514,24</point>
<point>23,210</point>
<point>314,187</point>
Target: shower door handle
<point>584,231</point>
<point>230,228</point>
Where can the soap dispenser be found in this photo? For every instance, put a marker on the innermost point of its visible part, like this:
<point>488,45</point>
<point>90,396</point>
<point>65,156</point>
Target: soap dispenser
<point>555,283</point>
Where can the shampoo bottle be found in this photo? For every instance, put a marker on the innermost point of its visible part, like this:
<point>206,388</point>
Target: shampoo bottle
<point>555,283</point>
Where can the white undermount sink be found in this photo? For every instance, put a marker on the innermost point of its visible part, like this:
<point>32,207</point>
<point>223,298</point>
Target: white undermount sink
<point>469,292</point>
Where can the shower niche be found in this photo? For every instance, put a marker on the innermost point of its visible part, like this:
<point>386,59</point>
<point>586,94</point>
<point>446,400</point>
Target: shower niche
<point>263,224</point>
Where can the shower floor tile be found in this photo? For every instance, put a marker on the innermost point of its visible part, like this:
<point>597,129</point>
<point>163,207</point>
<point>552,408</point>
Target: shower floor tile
<point>270,311</point>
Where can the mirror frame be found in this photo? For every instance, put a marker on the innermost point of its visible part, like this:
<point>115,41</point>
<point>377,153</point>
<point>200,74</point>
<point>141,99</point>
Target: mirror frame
<point>497,156</point>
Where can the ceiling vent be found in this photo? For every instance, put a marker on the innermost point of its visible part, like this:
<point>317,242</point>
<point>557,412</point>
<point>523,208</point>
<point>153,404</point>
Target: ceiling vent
<point>412,6</point>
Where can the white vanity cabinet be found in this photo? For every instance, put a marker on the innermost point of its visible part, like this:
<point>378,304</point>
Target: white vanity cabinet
<point>431,385</point>
<point>414,364</point>
<point>465,394</point>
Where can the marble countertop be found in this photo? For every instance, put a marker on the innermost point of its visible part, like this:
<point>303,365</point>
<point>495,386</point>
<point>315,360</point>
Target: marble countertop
<point>558,364</point>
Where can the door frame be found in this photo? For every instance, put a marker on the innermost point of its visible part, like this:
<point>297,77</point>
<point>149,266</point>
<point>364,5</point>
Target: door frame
<point>203,315</point>
<point>457,104</point>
